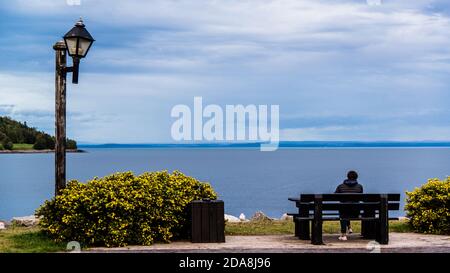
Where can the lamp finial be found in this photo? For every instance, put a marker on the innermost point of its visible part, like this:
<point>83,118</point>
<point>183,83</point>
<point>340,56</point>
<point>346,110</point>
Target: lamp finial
<point>80,23</point>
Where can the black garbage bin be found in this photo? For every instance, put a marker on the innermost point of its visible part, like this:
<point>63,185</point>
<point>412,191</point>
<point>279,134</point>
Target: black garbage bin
<point>207,221</point>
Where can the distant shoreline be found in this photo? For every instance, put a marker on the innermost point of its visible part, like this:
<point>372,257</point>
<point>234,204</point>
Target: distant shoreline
<point>282,144</point>
<point>37,151</point>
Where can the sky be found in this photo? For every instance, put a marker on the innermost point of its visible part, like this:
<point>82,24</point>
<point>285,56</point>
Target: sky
<point>339,70</point>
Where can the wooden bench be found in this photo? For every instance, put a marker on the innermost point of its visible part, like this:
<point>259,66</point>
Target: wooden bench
<point>371,209</point>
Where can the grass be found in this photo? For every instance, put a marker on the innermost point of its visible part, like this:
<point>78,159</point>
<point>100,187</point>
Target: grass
<point>33,240</point>
<point>27,240</point>
<point>287,227</point>
<point>22,146</point>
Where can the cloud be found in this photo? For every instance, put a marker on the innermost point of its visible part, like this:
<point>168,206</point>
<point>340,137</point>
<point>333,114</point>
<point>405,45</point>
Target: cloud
<point>208,35</point>
<point>26,91</point>
<point>338,69</point>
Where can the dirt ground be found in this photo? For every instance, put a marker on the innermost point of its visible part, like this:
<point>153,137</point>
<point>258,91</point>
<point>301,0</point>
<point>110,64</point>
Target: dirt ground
<point>399,243</point>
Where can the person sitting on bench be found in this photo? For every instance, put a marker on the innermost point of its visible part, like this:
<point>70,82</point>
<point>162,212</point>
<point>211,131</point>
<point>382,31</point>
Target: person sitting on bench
<point>350,185</point>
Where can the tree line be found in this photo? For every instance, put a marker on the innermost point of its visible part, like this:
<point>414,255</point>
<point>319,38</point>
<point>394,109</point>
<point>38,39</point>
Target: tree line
<point>12,132</point>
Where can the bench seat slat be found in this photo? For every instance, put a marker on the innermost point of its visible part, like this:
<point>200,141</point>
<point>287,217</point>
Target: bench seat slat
<point>326,213</point>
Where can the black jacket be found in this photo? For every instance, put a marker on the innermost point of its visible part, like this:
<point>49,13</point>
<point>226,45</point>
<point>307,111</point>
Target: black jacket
<point>349,186</point>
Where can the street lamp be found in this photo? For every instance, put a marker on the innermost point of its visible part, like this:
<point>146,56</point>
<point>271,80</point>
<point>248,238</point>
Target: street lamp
<point>77,43</point>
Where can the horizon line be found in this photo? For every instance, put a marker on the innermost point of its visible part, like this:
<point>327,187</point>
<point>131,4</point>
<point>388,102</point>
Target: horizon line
<point>286,144</point>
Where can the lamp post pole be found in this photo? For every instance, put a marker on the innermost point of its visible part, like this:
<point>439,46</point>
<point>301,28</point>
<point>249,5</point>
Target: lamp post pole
<point>60,116</point>
<point>76,44</point>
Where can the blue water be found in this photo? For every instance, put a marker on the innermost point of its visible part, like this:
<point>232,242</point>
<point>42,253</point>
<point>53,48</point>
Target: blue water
<point>246,179</point>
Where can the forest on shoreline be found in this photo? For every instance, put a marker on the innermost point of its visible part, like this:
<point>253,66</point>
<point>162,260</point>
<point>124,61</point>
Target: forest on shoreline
<point>15,135</point>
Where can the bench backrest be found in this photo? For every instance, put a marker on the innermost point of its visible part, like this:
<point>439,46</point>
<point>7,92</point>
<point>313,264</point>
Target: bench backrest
<point>351,197</point>
<point>362,201</point>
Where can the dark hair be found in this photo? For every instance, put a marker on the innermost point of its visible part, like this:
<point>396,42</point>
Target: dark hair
<point>352,175</point>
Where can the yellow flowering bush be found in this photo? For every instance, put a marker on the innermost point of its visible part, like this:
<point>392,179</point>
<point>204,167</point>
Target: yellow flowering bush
<point>428,207</point>
<point>123,209</point>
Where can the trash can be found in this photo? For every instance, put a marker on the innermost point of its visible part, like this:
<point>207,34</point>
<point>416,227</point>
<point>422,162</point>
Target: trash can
<point>207,221</point>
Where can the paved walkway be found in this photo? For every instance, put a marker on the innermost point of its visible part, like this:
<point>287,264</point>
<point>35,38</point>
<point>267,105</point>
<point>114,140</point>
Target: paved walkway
<point>399,242</point>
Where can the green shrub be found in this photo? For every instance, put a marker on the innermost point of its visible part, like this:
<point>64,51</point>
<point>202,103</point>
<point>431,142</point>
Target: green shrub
<point>44,141</point>
<point>428,207</point>
<point>7,145</point>
<point>41,143</point>
<point>123,209</point>
<point>71,144</point>
<point>5,142</point>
